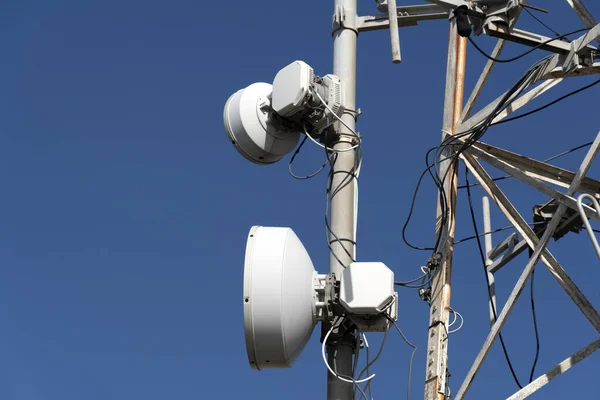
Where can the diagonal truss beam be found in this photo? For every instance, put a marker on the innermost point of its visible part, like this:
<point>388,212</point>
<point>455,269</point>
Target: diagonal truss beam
<point>551,67</point>
<point>505,245</point>
<point>531,39</point>
<point>483,78</point>
<point>581,70</point>
<point>527,97</point>
<point>538,169</point>
<point>487,71</point>
<point>562,198</point>
<point>527,233</point>
<point>520,102</point>
<point>582,12</point>
<point>540,252</point>
<point>556,371</point>
<point>508,256</point>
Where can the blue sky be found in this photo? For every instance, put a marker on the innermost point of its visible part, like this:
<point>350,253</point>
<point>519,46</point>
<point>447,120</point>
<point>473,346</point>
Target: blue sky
<point>125,209</point>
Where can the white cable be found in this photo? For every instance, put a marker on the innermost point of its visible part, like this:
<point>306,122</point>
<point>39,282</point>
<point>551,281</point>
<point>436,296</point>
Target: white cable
<point>355,382</point>
<point>387,307</point>
<point>454,320</point>
<point>461,323</point>
<point>377,355</point>
<point>365,339</point>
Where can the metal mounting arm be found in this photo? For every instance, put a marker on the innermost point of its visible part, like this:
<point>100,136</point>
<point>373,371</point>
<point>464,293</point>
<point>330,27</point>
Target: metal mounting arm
<point>486,7</point>
<point>406,16</point>
<point>493,10</point>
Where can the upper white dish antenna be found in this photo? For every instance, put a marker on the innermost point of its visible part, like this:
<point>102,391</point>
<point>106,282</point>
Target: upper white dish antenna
<point>250,126</point>
<point>264,121</point>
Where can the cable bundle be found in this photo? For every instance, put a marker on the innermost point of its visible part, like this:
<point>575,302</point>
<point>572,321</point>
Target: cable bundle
<point>531,76</point>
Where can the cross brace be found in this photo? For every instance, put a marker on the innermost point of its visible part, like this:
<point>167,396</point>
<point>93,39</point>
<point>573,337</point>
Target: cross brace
<point>407,16</point>
<point>526,176</point>
<point>540,252</point>
<point>556,371</point>
<point>533,39</point>
<point>538,169</point>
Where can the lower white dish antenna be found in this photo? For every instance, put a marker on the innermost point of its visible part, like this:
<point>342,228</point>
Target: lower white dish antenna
<point>279,297</point>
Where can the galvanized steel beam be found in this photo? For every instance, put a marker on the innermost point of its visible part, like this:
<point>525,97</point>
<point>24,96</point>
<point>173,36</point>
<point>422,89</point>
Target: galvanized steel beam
<point>556,371</point>
<point>540,252</point>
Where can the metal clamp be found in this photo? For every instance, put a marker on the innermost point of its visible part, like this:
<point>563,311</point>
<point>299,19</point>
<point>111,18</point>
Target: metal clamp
<point>434,261</point>
<point>341,20</point>
<point>326,293</point>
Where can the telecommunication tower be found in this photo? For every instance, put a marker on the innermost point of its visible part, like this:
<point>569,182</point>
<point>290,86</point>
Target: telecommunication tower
<point>284,297</point>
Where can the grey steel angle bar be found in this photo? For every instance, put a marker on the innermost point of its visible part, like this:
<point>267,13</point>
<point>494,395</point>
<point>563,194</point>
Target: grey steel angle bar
<point>407,16</point>
<point>491,279</point>
<point>437,344</point>
<point>531,39</point>
<point>487,71</point>
<point>527,97</point>
<point>539,251</point>
<point>483,114</point>
<point>577,46</point>
<point>419,9</point>
<point>508,257</point>
<point>540,170</point>
<point>483,78</point>
<point>581,70</point>
<point>556,371</point>
<point>562,198</point>
<point>588,227</point>
<point>508,243</point>
<point>582,12</point>
<point>554,62</point>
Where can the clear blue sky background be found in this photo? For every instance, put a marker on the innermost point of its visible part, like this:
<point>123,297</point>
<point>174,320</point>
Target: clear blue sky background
<point>125,210</point>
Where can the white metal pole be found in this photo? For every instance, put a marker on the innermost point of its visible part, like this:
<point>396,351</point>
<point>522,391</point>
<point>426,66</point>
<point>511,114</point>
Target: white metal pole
<point>487,227</point>
<point>394,34</point>
<point>343,202</point>
<point>487,224</point>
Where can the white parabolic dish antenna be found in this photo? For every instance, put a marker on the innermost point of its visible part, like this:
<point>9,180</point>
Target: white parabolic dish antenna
<point>248,121</point>
<point>279,297</point>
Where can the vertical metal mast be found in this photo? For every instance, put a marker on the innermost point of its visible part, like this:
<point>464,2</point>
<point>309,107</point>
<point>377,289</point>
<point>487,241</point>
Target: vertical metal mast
<point>437,346</point>
<point>343,211</point>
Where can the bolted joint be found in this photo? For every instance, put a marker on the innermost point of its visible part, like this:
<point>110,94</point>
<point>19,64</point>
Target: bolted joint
<point>425,294</point>
<point>434,262</point>
<point>327,289</point>
<point>333,135</point>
